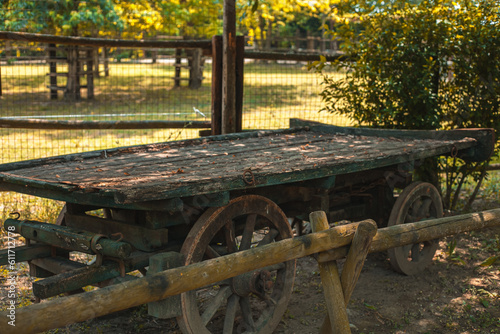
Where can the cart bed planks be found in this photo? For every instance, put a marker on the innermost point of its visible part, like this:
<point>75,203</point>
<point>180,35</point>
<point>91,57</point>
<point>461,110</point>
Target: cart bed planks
<point>224,163</point>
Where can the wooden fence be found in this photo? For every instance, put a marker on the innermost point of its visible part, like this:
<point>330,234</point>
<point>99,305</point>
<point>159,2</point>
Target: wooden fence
<point>224,119</point>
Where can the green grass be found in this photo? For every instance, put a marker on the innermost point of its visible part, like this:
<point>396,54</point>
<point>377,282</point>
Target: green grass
<point>272,95</point>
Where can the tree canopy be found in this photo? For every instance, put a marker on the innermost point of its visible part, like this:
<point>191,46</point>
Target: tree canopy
<point>146,18</point>
<point>62,17</point>
<point>430,65</point>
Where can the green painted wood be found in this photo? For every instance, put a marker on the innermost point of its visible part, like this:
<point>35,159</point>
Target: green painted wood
<point>68,238</point>
<point>75,279</point>
<point>83,275</point>
<point>54,265</point>
<point>99,200</point>
<point>169,307</point>
<point>139,237</point>
<point>24,253</point>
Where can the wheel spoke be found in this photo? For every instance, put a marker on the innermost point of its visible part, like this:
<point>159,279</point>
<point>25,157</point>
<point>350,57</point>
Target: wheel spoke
<point>406,249</point>
<point>246,239</point>
<point>416,205</point>
<point>425,209</point>
<point>415,252</point>
<point>246,309</point>
<point>230,237</point>
<point>269,237</point>
<point>232,304</point>
<point>211,253</point>
<point>411,218</point>
<point>215,304</point>
<point>418,201</point>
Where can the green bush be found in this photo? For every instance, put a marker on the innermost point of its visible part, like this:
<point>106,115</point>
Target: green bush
<point>431,65</point>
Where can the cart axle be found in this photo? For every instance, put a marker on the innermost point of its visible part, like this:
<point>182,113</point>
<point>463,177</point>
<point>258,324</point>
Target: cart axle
<point>69,238</point>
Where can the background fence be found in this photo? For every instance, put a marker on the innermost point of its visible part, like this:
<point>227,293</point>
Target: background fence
<point>130,84</point>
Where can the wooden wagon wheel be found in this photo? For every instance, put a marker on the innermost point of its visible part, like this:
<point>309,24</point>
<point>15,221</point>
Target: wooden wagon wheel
<point>252,302</point>
<point>418,201</point>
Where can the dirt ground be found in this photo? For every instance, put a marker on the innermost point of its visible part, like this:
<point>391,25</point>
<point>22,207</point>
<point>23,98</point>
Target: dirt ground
<point>453,295</point>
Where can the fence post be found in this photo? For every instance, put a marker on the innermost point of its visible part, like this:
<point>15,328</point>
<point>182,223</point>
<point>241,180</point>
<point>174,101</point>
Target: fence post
<point>240,69</point>
<point>53,71</point>
<point>90,73</point>
<point>355,259</point>
<point>216,85</point>
<point>228,68</point>
<point>178,61</point>
<point>95,55</point>
<point>195,68</point>
<point>106,61</point>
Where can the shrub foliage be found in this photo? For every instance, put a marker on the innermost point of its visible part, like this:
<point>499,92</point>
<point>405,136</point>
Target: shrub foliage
<point>434,64</point>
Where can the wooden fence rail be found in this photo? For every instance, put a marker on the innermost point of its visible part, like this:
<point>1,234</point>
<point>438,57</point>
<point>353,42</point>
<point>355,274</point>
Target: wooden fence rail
<point>105,42</point>
<point>99,125</point>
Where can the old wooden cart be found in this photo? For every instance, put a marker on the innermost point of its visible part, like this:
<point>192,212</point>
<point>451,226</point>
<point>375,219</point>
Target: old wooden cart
<point>209,197</point>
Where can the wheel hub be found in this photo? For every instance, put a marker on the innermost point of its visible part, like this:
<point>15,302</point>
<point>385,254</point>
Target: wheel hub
<point>258,282</point>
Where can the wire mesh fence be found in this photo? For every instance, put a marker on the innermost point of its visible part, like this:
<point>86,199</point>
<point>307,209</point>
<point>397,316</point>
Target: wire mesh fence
<point>276,91</point>
<point>132,85</point>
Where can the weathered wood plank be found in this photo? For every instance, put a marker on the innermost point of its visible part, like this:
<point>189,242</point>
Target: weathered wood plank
<point>186,168</point>
<point>142,148</point>
<point>482,151</point>
<point>332,287</point>
<point>207,157</point>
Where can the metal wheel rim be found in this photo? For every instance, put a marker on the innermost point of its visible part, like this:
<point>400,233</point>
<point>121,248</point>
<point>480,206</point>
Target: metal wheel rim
<point>194,249</point>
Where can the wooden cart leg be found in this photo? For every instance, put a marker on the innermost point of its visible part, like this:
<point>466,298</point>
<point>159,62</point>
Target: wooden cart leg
<point>171,306</point>
<point>339,290</point>
<point>334,296</point>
